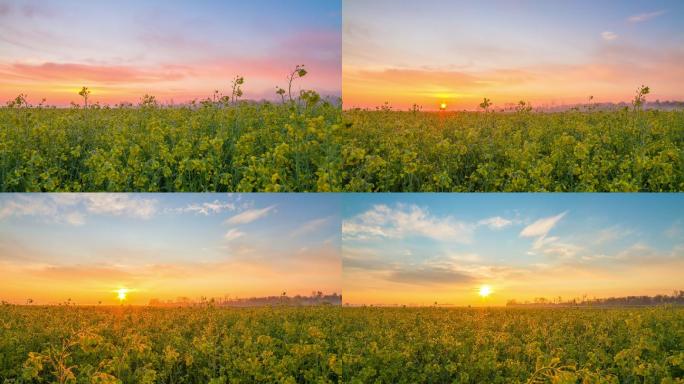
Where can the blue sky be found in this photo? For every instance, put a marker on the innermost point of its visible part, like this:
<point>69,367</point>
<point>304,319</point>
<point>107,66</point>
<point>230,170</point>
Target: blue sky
<point>168,245</point>
<point>547,52</point>
<point>416,248</point>
<point>173,49</point>
<point>374,248</point>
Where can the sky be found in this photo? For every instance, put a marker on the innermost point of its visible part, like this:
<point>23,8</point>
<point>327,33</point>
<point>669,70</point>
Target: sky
<point>418,249</point>
<point>175,50</point>
<point>85,247</point>
<point>546,52</point>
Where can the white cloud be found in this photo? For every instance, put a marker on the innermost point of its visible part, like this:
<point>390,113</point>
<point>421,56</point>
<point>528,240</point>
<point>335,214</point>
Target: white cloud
<point>120,204</point>
<point>608,36</point>
<point>643,253</point>
<point>249,215</point>
<point>541,227</point>
<point>561,250</point>
<point>71,208</point>
<point>675,231</point>
<point>233,234</point>
<point>310,226</point>
<point>464,257</point>
<point>74,218</point>
<point>402,221</point>
<point>543,241</point>
<point>207,209</point>
<point>496,222</point>
<point>611,234</point>
<point>644,16</point>
<point>29,205</point>
<point>549,245</point>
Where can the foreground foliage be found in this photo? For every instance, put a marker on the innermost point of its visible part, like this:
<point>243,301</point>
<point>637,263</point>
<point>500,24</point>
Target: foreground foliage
<point>438,345</point>
<point>210,147</point>
<point>68,344</point>
<point>305,146</point>
<point>626,150</point>
<point>181,345</point>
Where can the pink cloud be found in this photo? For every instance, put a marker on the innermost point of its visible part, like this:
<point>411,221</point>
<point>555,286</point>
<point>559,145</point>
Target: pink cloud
<point>116,83</point>
<point>96,73</point>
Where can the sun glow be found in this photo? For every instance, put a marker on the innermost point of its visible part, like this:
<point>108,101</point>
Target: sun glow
<point>442,106</point>
<point>121,294</point>
<point>485,291</point>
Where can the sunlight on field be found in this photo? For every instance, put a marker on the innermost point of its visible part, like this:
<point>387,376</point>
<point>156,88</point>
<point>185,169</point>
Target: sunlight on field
<point>520,150</point>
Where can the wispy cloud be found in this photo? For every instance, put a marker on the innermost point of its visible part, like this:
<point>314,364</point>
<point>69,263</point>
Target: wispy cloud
<point>310,226</point>
<point>542,227</point>
<point>548,245</point>
<point>675,230</point>
<point>73,208</point>
<point>208,208</point>
<point>95,73</point>
<point>118,204</point>
<point>75,218</point>
<point>420,275</point>
<point>611,234</point>
<point>644,16</point>
<point>405,220</point>
<point>22,205</point>
<point>233,234</point>
<point>608,35</point>
<point>464,257</point>
<point>250,215</point>
<point>496,222</point>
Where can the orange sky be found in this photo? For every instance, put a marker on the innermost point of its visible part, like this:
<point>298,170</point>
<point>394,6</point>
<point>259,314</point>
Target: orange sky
<point>547,53</point>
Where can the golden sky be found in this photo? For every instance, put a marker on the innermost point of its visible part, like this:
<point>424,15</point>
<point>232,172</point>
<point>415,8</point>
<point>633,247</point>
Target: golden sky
<point>547,53</point>
<point>85,247</point>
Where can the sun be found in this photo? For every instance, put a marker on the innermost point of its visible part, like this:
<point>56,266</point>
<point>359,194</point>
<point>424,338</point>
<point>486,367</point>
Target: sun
<point>485,290</point>
<point>442,106</point>
<point>121,293</point>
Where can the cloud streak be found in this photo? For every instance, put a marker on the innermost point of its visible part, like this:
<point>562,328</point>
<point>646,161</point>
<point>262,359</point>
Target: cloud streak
<point>495,223</point>
<point>74,208</point>
<point>541,227</point>
<point>402,221</point>
<point>233,234</point>
<point>644,16</point>
<point>250,215</point>
<point>104,74</point>
<point>608,35</point>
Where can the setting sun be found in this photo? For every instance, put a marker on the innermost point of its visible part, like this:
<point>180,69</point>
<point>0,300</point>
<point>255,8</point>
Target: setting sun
<point>442,106</point>
<point>485,290</point>
<point>121,294</point>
